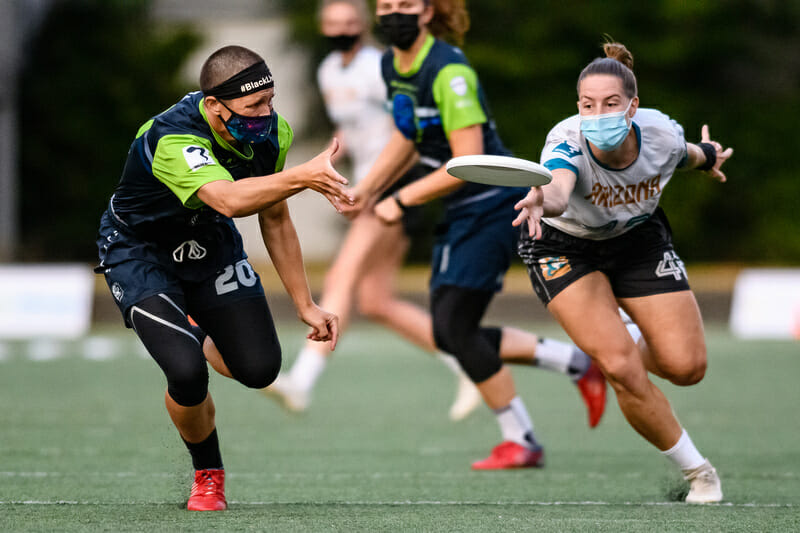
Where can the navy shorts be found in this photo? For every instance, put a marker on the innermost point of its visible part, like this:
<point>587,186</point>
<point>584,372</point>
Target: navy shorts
<point>640,262</point>
<point>136,269</point>
<point>476,241</point>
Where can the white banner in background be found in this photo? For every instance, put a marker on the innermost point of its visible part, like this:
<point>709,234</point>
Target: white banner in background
<point>45,300</point>
<point>766,304</point>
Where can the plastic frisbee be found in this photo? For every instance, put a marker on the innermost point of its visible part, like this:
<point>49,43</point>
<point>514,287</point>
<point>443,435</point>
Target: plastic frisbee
<point>499,170</point>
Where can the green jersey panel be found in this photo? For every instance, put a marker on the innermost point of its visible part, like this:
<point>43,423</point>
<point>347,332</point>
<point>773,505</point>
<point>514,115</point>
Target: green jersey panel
<point>184,163</point>
<point>455,90</point>
<point>285,138</point>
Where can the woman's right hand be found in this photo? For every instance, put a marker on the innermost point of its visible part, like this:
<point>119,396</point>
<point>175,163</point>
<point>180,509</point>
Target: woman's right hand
<point>531,210</point>
<point>320,176</point>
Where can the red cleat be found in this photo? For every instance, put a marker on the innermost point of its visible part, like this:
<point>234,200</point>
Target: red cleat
<point>208,491</point>
<point>593,390</point>
<point>507,455</point>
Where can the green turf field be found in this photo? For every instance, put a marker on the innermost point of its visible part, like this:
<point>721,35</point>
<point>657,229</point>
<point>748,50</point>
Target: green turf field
<point>86,445</point>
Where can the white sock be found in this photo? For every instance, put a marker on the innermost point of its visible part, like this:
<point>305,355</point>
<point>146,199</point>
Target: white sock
<point>307,369</point>
<point>450,362</point>
<point>631,326</point>
<point>561,357</point>
<point>684,454</point>
<point>515,424</point>
<point>553,355</point>
<point>635,332</point>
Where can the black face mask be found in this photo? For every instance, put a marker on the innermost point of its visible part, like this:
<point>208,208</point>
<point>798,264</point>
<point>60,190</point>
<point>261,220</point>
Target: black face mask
<point>342,43</point>
<point>400,29</point>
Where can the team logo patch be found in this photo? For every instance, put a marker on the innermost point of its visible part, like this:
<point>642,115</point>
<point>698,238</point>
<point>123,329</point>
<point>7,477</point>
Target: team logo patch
<point>567,149</point>
<point>117,291</point>
<point>197,157</point>
<point>459,85</point>
<point>554,267</point>
<point>188,250</point>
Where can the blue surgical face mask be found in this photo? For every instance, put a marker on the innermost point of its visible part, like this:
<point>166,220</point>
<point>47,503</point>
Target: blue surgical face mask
<point>248,130</point>
<point>606,131</point>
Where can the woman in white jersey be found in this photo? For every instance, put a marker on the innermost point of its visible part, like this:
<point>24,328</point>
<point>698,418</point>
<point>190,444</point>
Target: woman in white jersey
<point>372,253</point>
<point>597,240</point>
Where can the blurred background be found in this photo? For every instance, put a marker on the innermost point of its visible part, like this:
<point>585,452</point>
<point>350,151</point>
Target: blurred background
<point>79,77</point>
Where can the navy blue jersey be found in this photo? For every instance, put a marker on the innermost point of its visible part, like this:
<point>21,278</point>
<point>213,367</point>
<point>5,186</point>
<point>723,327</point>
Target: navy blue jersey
<point>439,94</point>
<point>155,207</point>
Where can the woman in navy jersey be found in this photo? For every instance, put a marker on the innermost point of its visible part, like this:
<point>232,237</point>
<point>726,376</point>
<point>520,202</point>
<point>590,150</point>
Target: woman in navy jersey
<point>440,111</point>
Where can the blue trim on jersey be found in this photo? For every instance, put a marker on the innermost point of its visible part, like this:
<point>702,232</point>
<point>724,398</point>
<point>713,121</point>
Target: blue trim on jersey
<point>685,159</point>
<point>567,149</point>
<point>557,162</point>
<point>638,149</point>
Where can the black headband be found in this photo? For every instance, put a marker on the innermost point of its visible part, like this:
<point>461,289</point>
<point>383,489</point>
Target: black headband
<point>254,78</point>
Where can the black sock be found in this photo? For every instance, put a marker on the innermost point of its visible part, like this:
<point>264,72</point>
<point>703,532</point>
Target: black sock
<point>206,454</point>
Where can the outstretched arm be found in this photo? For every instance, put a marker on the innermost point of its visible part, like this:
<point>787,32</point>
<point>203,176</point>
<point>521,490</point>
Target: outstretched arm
<point>708,155</point>
<point>550,200</point>
<point>250,195</point>
<point>394,159</point>
<point>283,247</point>
<point>463,141</point>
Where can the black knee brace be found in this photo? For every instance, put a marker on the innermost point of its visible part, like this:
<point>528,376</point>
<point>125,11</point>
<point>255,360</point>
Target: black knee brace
<point>457,313</point>
<point>163,328</point>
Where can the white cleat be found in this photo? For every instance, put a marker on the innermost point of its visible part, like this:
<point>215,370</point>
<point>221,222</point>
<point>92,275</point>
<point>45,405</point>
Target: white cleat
<point>287,394</point>
<point>468,398</point>
<point>705,486</point>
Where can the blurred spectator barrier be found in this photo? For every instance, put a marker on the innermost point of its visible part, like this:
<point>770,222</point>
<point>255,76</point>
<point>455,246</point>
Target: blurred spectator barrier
<point>45,300</point>
<point>766,304</point>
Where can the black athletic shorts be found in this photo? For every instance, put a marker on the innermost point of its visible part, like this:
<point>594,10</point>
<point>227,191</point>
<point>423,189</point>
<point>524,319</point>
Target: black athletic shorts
<point>640,262</point>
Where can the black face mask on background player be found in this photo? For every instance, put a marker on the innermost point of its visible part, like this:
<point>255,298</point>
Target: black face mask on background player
<point>342,43</point>
<point>400,29</point>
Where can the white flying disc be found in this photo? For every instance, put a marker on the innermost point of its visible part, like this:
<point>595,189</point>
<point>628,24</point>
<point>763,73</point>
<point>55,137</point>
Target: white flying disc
<point>499,170</point>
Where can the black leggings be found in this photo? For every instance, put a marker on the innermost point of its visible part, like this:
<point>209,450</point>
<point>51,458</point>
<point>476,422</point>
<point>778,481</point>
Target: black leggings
<point>243,332</point>
<point>457,314</point>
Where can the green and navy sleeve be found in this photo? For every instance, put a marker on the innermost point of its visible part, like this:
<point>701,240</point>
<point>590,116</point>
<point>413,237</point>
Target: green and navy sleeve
<point>455,91</point>
<point>184,163</point>
<point>285,138</point>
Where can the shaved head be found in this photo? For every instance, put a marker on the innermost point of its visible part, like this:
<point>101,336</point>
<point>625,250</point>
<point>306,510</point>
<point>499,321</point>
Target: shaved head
<point>224,63</point>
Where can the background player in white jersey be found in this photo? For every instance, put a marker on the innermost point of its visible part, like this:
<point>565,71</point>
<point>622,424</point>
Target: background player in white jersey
<point>372,253</point>
<point>597,240</point>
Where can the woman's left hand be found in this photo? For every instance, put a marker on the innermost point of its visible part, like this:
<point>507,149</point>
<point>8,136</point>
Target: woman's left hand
<point>722,155</point>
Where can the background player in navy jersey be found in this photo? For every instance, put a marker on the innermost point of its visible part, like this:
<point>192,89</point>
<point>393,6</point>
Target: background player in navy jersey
<point>597,240</point>
<point>440,111</point>
<point>168,245</point>
<point>371,254</point>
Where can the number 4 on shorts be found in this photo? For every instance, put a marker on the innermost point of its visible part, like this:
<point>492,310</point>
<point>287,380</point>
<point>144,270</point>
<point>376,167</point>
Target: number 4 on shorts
<point>671,265</point>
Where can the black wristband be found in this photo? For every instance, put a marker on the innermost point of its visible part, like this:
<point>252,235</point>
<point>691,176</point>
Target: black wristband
<point>401,205</point>
<point>711,156</point>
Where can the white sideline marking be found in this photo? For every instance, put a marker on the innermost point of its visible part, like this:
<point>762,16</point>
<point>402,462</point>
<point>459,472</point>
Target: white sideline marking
<point>421,503</point>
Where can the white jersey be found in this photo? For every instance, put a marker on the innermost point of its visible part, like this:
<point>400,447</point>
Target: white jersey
<point>355,100</point>
<point>608,202</point>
